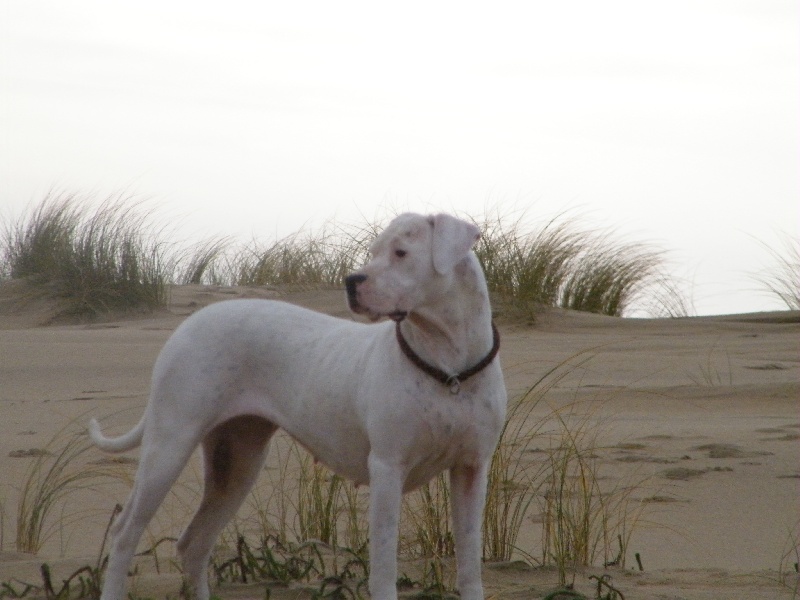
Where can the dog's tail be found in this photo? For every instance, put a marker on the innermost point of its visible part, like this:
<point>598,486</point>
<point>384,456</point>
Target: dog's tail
<point>123,443</point>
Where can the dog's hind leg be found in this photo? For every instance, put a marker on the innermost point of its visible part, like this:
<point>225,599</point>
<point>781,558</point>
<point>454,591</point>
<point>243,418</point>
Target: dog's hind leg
<point>233,454</point>
<point>159,467</point>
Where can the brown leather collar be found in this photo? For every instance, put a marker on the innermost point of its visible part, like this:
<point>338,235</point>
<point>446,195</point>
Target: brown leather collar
<point>453,381</point>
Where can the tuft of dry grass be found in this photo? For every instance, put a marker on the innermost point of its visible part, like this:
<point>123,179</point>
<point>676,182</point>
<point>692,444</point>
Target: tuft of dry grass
<point>524,269</point>
<point>783,279</point>
<point>54,475</point>
<point>583,521</point>
<point>319,503</point>
<point>666,300</point>
<point>560,265</point>
<point>608,277</point>
<point>427,524</point>
<point>515,479</point>
<point>96,260</point>
<point>789,566</point>
<point>303,501</point>
<point>37,242</point>
<point>305,259</point>
<point>199,263</point>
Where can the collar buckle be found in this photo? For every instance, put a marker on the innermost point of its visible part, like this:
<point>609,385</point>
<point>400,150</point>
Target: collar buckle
<point>454,384</point>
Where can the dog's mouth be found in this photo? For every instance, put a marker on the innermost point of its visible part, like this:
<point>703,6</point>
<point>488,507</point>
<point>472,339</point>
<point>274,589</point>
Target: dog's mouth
<point>396,316</point>
<point>351,284</point>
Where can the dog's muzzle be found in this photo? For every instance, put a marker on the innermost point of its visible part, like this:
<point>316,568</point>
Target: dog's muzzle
<point>351,284</point>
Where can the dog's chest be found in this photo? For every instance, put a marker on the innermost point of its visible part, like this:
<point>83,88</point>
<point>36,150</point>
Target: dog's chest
<point>450,420</point>
<point>449,430</point>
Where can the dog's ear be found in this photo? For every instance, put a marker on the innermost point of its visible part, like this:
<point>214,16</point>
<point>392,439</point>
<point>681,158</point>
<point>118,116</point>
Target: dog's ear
<point>452,241</point>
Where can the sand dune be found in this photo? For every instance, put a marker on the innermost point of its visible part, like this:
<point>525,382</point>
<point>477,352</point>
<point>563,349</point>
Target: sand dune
<point>703,410</point>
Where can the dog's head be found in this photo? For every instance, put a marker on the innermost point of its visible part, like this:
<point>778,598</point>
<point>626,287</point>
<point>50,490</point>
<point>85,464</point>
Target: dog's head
<point>412,262</point>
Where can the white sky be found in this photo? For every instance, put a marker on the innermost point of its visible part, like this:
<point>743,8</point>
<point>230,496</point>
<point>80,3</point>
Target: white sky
<point>676,123</point>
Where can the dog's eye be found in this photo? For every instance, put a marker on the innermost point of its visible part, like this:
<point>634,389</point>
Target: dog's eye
<point>400,253</point>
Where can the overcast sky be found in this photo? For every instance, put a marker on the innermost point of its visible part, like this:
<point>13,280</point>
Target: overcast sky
<point>674,123</point>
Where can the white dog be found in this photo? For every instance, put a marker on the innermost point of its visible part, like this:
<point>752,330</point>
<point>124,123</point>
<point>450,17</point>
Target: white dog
<point>390,405</point>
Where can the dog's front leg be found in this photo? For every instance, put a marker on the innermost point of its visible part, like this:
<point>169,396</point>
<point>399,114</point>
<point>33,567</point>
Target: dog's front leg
<point>468,496</point>
<point>385,493</point>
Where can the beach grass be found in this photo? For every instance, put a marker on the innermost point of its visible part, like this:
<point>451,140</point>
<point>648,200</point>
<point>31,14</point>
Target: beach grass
<point>584,522</point>
<point>515,479</point>
<point>789,565</point>
<point>304,259</point>
<point>547,460</point>
<point>313,523</point>
<point>427,527</point>
<point>782,278</point>
<point>56,473</point>
<point>608,277</point>
<point>200,263</point>
<point>559,264</point>
<point>107,255</point>
<point>319,502</point>
<point>96,257</point>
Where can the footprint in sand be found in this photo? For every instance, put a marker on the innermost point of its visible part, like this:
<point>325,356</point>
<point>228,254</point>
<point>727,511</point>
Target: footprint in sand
<point>684,474</point>
<point>645,458</point>
<point>729,451</point>
<point>630,454</point>
<point>787,436</point>
<point>661,500</point>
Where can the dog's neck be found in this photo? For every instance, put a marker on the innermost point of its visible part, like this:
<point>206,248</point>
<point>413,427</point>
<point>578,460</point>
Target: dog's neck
<point>454,334</point>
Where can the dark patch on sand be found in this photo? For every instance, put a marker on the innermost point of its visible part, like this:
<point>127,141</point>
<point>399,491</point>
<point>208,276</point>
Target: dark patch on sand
<point>115,460</point>
<point>29,453</point>
<point>788,437</point>
<point>729,451</point>
<point>644,458</point>
<point>661,500</point>
<point>684,474</point>
<point>630,446</point>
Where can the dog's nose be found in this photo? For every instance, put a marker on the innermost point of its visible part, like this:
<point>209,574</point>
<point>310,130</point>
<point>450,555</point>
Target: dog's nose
<point>350,283</point>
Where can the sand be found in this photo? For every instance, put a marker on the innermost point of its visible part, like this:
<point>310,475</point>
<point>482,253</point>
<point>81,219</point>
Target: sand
<point>701,412</point>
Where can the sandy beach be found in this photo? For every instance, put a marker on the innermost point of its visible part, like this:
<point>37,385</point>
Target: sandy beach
<point>702,412</point>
